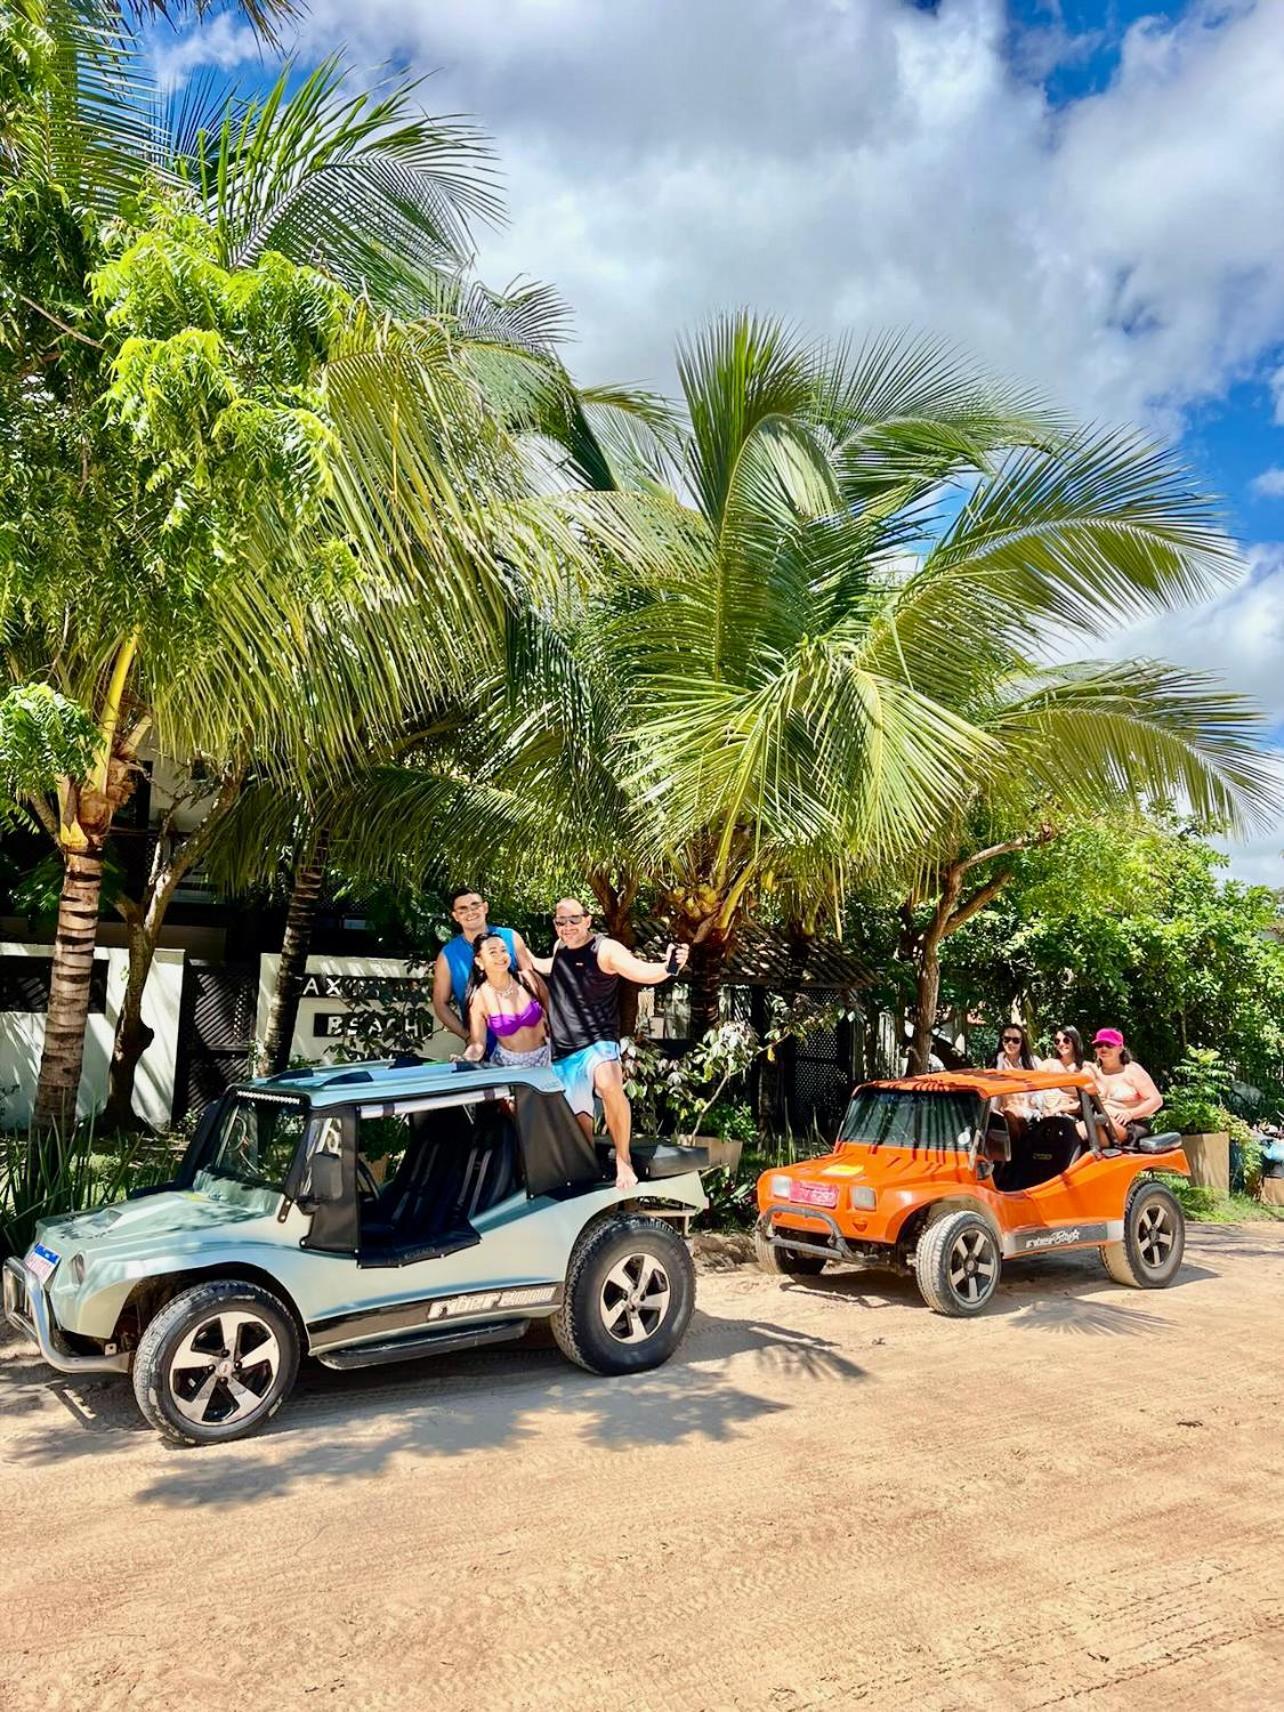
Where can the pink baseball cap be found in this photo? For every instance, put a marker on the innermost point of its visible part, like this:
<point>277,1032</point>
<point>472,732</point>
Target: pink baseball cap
<point>1107,1037</point>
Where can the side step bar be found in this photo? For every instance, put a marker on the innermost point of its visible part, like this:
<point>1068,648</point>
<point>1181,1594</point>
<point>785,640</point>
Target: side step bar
<point>426,1343</point>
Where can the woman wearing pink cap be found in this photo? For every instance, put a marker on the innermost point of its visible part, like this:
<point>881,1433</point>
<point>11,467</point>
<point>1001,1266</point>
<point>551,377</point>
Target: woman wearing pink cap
<point>1129,1096</point>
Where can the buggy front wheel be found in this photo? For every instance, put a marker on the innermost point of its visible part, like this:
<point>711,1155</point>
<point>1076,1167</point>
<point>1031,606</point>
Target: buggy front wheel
<point>957,1264</point>
<point>216,1363</point>
<point>783,1262</point>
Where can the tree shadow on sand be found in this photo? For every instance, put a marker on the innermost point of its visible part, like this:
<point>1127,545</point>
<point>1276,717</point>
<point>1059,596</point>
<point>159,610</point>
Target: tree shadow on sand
<point>1058,1294</point>
<point>339,1427</point>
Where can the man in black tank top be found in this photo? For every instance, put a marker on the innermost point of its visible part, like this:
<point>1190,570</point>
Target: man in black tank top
<point>583,976</point>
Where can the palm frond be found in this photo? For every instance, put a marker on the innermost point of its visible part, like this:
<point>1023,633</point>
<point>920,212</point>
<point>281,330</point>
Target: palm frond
<point>366,186</point>
<point>1142,731</point>
<point>735,373</point>
<point>87,125</point>
<point>1079,539</point>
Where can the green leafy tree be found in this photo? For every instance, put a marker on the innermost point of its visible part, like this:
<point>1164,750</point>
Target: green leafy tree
<point>1132,922</point>
<point>1069,741</point>
<point>237,516</point>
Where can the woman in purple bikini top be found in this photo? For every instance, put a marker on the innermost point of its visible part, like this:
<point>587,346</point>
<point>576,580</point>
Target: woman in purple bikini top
<point>507,1035</point>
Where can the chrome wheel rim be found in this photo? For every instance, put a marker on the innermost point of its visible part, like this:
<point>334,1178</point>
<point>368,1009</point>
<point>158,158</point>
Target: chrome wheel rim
<point>973,1266</point>
<point>223,1372</point>
<point>635,1298</point>
<point>1156,1234</point>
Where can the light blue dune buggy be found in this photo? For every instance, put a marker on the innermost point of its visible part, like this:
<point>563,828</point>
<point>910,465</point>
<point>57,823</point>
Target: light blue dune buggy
<point>363,1214</point>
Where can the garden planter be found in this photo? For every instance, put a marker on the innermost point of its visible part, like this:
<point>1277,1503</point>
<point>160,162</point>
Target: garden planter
<point>1209,1158</point>
<point>721,1152</point>
<point>1272,1191</point>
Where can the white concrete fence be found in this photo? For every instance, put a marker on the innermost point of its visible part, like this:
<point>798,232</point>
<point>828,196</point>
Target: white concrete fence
<point>319,1030</point>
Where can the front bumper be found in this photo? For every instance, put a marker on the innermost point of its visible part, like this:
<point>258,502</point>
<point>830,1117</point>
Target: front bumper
<point>26,1307</point>
<point>838,1248</point>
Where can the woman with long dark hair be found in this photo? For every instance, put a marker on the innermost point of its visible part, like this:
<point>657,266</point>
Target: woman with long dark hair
<point>510,1009</point>
<point>1015,1054</point>
<point>1014,1048</point>
<point>1067,1054</point>
<point>1067,1050</point>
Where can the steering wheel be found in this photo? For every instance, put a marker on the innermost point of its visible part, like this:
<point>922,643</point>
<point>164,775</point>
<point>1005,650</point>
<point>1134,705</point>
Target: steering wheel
<point>367,1188</point>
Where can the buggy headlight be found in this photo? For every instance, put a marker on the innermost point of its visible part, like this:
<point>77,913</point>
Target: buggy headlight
<point>864,1197</point>
<point>780,1187</point>
<point>76,1268</point>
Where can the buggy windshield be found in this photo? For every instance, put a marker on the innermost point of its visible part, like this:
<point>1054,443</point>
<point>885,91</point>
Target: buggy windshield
<point>250,1153</point>
<point>895,1117</point>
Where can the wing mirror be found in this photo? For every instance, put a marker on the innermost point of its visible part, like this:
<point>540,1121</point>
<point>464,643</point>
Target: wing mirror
<point>325,1179</point>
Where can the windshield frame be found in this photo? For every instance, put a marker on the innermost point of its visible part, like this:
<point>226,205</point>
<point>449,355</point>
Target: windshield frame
<point>977,1107</point>
<point>239,1187</point>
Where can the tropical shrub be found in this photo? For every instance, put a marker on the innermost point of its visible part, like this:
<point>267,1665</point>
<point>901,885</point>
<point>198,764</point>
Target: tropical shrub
<point>1195,1104</point>
<point>73,1171</point>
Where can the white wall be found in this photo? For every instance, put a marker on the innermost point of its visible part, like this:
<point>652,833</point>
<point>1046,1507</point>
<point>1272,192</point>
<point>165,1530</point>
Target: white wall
<point>22,1035</point>
<point>310,1045</point>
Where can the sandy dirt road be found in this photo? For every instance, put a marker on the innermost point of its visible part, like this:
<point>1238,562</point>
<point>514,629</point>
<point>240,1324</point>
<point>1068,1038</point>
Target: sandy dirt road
<point>833,1498</point>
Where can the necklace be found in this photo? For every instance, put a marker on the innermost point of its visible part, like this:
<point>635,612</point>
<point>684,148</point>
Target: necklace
<point>508,991</point>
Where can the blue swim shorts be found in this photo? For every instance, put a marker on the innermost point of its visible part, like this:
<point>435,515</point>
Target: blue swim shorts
<point>575,1072</point>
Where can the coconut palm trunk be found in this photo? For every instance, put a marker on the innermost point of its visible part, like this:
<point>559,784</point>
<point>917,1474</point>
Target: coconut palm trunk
<point>300,918</point>
<point>133,1036</point>
<point>86,809</point>
<point>62,1057</point>
<point>707,972</point>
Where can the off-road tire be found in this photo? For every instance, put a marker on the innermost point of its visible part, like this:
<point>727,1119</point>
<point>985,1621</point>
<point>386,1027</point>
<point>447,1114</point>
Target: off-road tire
<point>938,1257</point>
<point>579,1325</point>
<point>153,1372</point>
<point>1128,1261</point>
<point>784,1262</point>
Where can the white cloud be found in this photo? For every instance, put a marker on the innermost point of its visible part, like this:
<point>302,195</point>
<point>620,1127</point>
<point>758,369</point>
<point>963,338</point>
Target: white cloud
<point>223,43</point>
<point>1270,484</point>
<point>858,164</point>
<point>865,163</point>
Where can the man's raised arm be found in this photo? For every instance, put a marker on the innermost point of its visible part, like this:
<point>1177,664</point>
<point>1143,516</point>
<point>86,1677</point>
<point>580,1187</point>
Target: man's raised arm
<point>617,959</point>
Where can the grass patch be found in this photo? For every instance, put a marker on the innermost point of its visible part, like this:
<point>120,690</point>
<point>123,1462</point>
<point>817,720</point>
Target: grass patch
<point>1208,1207</point>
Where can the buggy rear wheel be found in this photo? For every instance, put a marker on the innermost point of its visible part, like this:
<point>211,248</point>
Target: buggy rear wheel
<point>1154,1239</point>
<point>783,1262</point>
<point>957,1264</point>
<point>630,1289</point>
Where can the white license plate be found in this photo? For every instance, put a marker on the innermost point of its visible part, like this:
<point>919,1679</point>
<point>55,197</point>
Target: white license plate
<point>42,1261</point>
<point>814,1195</point>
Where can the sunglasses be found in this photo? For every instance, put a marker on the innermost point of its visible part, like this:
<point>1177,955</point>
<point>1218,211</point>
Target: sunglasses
<point>568,920</point>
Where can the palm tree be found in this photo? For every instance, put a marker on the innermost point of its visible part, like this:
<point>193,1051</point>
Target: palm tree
<point>218,644</point>
<point>876,540</point>
<point>802,677</point>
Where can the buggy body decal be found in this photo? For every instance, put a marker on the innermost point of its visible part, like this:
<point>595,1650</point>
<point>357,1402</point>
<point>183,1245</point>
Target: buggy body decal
<point>1051,1239</point>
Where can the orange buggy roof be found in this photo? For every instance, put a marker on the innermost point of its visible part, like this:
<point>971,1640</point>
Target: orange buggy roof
<point>988,1083</point>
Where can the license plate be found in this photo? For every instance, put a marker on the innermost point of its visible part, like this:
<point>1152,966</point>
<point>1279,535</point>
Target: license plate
<point>42,1261</point>
<point>814,1195</point>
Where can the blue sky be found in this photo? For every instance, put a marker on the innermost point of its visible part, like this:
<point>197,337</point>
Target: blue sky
<point>1087,194</point>
<point>1230,439</point>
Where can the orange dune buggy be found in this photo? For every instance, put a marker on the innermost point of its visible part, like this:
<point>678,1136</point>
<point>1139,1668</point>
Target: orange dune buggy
<point>947,1175</point>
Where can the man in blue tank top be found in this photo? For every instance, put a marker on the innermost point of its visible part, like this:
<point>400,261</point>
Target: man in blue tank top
<point>583,976</point>
<point>454,963</point>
